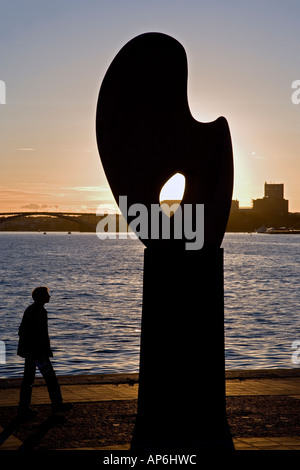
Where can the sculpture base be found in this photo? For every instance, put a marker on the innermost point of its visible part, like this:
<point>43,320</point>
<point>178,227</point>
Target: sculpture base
<point>181,403</point>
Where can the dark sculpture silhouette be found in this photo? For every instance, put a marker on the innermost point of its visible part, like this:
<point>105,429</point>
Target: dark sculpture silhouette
<point>145,134</point>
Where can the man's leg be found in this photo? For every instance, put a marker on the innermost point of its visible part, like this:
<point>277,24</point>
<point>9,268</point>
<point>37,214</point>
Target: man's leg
<point>26,386</point>
<point>47,371</point>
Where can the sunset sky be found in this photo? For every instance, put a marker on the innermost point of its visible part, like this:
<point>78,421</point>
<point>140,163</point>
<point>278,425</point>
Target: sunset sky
<point>242,57</point>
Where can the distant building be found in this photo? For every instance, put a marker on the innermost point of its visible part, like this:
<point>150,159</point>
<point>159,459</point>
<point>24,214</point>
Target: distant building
<point>270,211</point>
<point>274,191</point>
<point>271,206</point>
<point>273,203</point>
<point>235,205</point>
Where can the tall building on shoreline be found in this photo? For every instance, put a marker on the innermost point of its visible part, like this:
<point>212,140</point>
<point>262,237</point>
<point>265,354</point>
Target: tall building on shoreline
<point>272,210</point>
<point>273,202</point>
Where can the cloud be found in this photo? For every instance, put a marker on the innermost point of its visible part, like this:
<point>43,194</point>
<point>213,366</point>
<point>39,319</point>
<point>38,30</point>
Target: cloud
<point>26,149</point>
<point>38,197</point>
<point>259,157</point>
<point>90,188</point>
<point>93,193</point>
<point>34,206</point>
<point>30,206</point>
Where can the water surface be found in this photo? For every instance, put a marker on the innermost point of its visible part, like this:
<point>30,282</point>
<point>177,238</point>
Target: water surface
<point>96,288</point>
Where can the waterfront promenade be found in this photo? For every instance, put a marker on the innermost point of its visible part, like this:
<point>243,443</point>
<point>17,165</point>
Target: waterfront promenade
<point>263,408</point>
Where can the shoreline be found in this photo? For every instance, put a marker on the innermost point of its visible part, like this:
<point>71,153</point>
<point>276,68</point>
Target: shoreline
<point>133,377</point>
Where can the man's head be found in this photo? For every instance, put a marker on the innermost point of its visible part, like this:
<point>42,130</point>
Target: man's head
<point>41,295</point>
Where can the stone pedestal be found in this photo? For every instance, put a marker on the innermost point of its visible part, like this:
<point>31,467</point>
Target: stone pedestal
<point>182,373</point>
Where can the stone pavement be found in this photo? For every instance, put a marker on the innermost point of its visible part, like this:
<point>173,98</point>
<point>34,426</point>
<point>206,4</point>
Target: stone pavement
<point>118,387</point>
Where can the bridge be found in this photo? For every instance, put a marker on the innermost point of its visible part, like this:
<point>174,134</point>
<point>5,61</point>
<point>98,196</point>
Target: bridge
<point>76,217</point>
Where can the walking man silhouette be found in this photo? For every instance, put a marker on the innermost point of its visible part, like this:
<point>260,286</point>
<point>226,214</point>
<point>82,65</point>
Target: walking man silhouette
<point>34,346</point>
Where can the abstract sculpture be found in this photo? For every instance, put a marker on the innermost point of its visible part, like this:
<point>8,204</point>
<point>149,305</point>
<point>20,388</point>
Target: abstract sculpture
<point>146,134</point>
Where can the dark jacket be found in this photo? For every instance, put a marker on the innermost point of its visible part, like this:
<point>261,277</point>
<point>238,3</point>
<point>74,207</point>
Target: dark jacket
<point>34,340</point>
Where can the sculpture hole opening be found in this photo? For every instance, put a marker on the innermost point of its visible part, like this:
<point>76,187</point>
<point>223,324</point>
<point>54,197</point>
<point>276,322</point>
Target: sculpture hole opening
<point>172,193</point>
